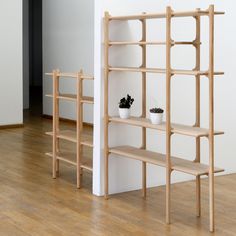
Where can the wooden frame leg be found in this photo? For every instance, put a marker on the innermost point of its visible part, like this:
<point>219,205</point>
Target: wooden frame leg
<point>55,123</point>
<point>198,180</point>
<point>211,202</point>
<point>144,179</point>
<point>57,167</point>
<point>168,195</point>
<point>58,150</point>
<point>198,196</point>
<point>106,176</point>
<point>78,179</point>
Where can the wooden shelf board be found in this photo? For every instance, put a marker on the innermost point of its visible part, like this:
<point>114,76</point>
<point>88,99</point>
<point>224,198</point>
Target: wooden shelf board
<point>73,97</point>
<point>176,128</point>
<point>162,71</point>
<point>70,135</point>
<point>87,99</point>
<point>178,164</point>
<point>86,163</point>
<point>163,15</point>
<point>71,75</point>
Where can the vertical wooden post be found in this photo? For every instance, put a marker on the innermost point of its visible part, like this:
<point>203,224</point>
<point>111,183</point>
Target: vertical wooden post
<point>81,105</point>
<point>55,123</point>
<point>81,115</point>
<point>106,115</point>
<point>78,126</point>
<point>168,112</point>
<point>197,44</point>
<point>58,125</point>
<point>144,105</point>
<point>211,116</point>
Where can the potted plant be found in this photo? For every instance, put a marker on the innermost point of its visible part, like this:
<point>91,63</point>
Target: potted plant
<point>124,106</point>
<point>156,115</point>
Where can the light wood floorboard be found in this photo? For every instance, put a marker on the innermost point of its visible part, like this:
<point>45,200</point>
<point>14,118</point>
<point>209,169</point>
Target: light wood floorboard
<point>32,203</point>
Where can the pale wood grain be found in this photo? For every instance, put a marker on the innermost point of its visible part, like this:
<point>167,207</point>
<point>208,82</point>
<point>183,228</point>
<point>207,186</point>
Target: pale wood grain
<point>178,164</point>
<point>175,128</point>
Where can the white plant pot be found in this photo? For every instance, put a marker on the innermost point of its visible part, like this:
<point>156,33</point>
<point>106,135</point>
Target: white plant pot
<point>156,118</point>
<point>124,113</point>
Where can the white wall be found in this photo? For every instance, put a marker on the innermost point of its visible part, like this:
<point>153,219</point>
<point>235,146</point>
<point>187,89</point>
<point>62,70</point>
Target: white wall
<point>68,33</point>
<point>125,174</point>
<point>11,102</point>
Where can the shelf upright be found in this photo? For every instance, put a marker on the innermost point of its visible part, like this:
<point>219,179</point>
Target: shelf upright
<point>55,162</point>
<point>197,45</point>
<point>211,117</point>
<point>168,112</point>
<point>106,114</point>
<point>144,101</point>
<point>79,126</point>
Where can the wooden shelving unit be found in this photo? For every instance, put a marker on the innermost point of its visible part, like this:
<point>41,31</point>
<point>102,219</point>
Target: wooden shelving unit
<point>166,160</point>
<point>77,136</point>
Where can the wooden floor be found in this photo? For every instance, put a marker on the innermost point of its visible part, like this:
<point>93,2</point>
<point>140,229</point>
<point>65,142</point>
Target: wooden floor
<point>32,203</point>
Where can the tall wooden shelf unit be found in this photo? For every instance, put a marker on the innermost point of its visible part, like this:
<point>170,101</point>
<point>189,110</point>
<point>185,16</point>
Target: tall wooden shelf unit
<point>170,163</point>
<point>76,136</point>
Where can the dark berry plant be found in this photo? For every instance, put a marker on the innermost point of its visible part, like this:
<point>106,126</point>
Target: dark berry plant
<point>126,102</point>
<point>156,110</point>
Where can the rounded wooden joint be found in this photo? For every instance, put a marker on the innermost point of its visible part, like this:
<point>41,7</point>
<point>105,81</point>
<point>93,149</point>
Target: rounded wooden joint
<point>143,20</point>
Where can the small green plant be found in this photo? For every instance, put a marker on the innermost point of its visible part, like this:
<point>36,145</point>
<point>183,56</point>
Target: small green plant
<point>156,110</point>
<point>126,102</point>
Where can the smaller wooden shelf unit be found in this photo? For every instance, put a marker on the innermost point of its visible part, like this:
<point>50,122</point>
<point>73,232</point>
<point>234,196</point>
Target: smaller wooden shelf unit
<point>76,136</point>
<point>166,160</point>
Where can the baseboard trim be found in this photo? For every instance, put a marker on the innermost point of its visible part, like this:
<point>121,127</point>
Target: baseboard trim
<point>66,120</point>
<point>13,126</point>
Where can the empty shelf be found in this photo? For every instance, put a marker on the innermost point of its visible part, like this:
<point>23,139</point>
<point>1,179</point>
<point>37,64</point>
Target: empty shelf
<point>163,15</point>
<point>69,135</point>
<point>162,71</point>
<point>71,75</point>
<point>86,163</point>
<point>176,128</point>
<point>178,164</point>
<point>73,97</point>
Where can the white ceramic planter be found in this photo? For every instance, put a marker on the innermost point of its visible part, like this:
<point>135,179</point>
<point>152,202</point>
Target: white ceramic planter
<point>124,113</point>
<point>156,118</point>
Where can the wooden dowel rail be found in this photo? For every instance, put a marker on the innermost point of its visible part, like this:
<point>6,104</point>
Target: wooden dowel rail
<point>164,15</point>
<point>140,43</point>
<point>163,71</point>
<point>71,75</point>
